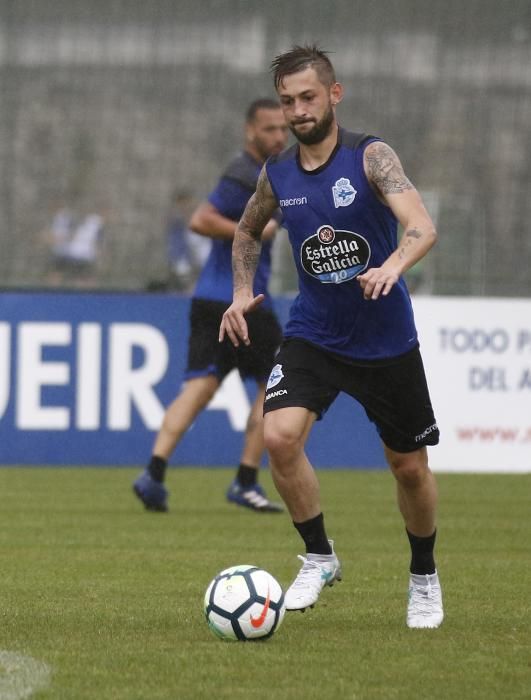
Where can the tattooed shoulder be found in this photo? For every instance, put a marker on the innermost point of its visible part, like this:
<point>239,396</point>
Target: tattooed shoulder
<point>384,169</point>
<point>264,190</point>
<point>260,207</point>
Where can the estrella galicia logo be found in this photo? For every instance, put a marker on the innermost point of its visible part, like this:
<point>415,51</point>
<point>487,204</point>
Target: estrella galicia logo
<point>343,193</point>
<point>275,377</point>
<point>334,256</point>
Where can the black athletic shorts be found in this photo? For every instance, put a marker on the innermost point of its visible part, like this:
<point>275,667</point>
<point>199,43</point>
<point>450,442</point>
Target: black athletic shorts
<point>393,392</point>
<point>206,355</point>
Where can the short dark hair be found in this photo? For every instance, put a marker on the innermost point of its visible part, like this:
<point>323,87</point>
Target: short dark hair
<point>260,103</point>
<point>299,58</point>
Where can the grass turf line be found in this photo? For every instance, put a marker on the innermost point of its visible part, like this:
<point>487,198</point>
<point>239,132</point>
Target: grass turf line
<point>110,596</point>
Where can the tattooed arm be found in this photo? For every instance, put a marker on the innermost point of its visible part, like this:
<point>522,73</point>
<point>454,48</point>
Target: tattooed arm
<point>386,175</point>
<point>245,253</point>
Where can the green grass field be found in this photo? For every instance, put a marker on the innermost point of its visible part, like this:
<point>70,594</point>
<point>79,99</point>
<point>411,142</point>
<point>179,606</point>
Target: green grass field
<point>109,597</point>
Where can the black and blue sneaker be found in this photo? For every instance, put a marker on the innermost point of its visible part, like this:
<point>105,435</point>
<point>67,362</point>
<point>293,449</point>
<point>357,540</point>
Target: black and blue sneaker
<point>252,497</point>
<point>153,494</point>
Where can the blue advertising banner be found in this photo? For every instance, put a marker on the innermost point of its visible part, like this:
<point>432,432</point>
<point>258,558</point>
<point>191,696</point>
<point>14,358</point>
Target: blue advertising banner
<point>85,379</point>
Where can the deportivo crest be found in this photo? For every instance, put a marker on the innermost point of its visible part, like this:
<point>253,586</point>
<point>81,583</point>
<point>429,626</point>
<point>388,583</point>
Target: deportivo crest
<point>343,192</point>
<point>275,377</point>
<point>334,256</point>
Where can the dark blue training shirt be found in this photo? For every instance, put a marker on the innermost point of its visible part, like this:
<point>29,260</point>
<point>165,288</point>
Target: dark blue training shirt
<point>338,228</point>
<point>230,196</point>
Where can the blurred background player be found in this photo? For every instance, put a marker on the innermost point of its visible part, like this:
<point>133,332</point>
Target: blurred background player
<point>209,362</point>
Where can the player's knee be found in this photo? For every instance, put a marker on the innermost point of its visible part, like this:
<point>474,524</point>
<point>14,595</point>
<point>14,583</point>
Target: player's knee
<point>281,441</point>
<point>410,468</point>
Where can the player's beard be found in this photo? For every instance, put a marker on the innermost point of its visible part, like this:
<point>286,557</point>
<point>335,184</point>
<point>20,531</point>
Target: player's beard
<point>318,132</point>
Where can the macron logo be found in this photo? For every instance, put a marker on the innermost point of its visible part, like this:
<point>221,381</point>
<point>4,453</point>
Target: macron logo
<point>293,202</point>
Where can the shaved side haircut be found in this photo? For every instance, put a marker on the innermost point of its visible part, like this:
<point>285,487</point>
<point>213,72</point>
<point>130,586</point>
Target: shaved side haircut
<point>298,58</point>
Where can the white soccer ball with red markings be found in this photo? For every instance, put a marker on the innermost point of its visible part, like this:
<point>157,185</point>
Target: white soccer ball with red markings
<point>244,602</point>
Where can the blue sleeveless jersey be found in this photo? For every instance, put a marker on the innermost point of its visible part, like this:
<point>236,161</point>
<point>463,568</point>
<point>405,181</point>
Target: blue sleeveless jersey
<point>230,196</point>
<point>338,228</point>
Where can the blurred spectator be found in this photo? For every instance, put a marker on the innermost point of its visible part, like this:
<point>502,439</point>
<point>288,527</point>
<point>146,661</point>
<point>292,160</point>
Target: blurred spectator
<point>187,251</point>
<point>74,240</point>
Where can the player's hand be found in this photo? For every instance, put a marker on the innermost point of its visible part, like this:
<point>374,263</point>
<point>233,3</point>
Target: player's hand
<point>233,322</point>
<point>378,281</point>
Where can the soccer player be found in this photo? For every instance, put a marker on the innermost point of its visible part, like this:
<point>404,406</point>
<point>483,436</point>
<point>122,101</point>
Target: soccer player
<point>209,362</point>
<point>351,328</point>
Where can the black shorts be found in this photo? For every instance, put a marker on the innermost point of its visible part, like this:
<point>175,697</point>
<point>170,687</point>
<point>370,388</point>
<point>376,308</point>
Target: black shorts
<point>394,392</point>
<point>206,355</point>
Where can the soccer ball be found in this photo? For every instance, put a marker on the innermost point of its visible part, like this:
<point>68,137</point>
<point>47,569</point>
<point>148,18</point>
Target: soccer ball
<point>244,602</point>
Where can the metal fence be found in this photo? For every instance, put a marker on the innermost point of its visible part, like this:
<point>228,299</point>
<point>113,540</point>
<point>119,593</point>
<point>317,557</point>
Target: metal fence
<point>112,105</point>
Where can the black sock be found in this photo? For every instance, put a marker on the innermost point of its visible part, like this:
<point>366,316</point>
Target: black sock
<point>247,476</point>
<point>157,468</point>
<point>422,561</point>
<point>313,533</point>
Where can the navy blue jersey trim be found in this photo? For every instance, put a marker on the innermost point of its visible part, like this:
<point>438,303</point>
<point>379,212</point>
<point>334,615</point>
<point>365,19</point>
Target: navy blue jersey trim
<point>345,138</point>
<point>353,140</point>
<point>321,167</point>
<point>286,154</point>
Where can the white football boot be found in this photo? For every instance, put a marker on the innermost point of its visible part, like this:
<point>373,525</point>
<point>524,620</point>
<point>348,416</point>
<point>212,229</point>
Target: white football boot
<point>317,571</point>
<point>425,608</point>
